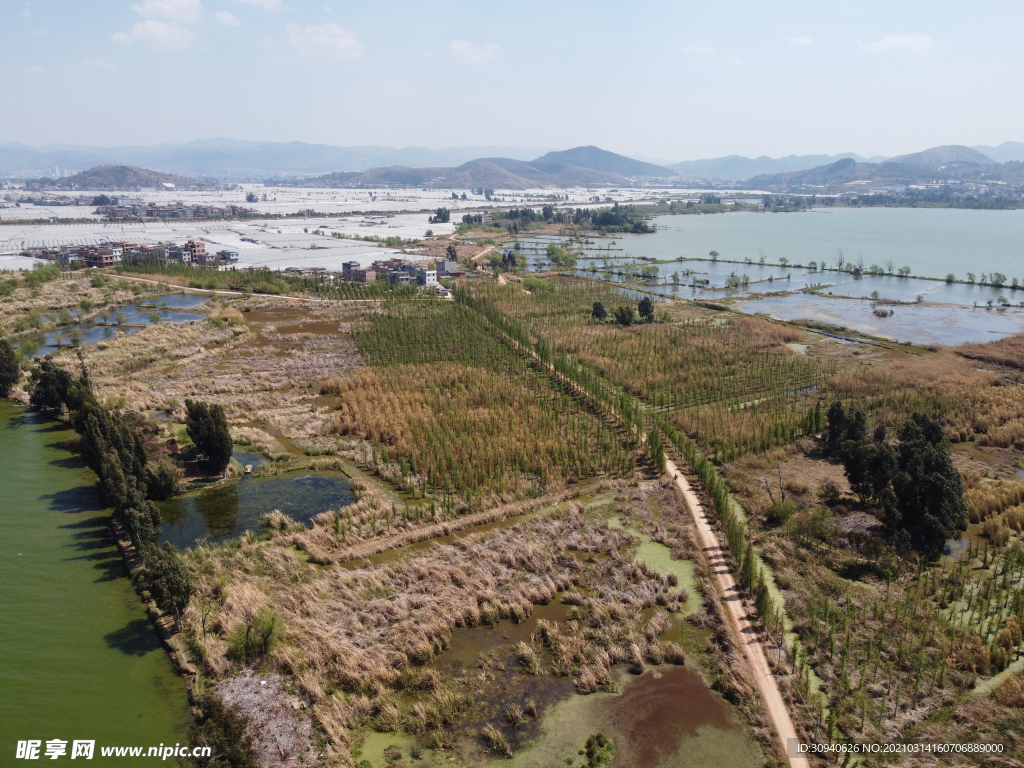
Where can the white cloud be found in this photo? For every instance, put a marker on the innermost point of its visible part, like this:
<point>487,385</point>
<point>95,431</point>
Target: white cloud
<point>734,61</point>
<point>801,41</point>
<point>327,41</point>
<point>267,5</point>
<point>227,19</point>
<point>39,32</point>
<point>100,64</point>
<point>915,45</point>
<point>26,13</point>
<point>176,10</point>
<point>161,33</point>
<point>474,55</point>
<point>34,69</point>
<point>697,50</point>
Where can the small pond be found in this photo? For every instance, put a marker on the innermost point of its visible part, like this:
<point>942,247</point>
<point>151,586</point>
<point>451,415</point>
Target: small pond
<point>128,320</point>
<point>226,511</point>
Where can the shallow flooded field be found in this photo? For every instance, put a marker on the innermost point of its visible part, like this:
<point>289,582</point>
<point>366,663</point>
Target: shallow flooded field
<point>925,323</point>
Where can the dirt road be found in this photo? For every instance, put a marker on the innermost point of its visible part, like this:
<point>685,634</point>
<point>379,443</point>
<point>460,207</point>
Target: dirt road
<point>747,633</point>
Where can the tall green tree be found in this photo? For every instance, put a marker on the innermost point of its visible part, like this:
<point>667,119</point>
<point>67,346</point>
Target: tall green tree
<point>646,309</point>
<point>48,385</point>
<point>208,429</point>
<point>10,368</point>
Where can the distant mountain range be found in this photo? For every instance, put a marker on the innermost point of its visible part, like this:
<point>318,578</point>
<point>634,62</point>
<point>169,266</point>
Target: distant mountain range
<point>738,168</point>
<point>119,178</point>
<point>465,167</point>
<point>938,164</point>
<point>581,166</point>
<point>228,159</point>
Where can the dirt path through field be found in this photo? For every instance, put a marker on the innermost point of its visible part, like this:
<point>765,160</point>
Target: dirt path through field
<point>766,684</point>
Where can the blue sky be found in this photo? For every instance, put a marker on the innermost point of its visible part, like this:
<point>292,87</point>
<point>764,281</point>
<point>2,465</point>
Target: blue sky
<point>670,81</point>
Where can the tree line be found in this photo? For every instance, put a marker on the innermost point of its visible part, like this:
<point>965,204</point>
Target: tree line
<point>128,480</point>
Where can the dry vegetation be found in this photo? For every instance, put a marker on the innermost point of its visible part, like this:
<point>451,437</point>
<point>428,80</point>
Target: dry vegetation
<point>359,643</point>
<point>899,647</point>
<point>33,306</point>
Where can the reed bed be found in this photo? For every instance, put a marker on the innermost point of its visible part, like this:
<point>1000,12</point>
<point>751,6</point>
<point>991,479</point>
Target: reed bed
<point>352,639</point>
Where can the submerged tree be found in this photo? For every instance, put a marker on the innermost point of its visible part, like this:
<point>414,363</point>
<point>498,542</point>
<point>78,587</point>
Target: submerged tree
<point>208,429</point>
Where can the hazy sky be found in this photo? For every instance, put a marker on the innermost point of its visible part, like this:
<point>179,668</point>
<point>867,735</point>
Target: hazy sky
<point>671,81</point>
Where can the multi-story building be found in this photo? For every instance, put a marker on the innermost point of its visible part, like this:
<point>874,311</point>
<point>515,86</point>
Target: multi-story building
<point>363,275</point>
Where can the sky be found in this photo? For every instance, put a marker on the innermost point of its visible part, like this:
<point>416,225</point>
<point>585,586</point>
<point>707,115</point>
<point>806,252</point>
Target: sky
<point>667,81</point>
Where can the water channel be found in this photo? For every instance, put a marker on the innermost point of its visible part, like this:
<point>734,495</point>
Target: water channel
<point>78,657</point>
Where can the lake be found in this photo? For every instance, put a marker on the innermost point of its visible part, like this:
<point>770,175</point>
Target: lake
<point>79,659</point>
<point>931,241</point>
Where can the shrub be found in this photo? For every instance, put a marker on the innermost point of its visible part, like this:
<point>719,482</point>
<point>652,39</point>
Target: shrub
<point>163,479</point>
<point>496,740</point>
<point>599,750</point>
<point>255,637</point>
<point>224,731</point>
<point>779,512</point>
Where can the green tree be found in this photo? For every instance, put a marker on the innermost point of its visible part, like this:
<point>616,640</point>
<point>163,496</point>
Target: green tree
<point>48,385</point>
<point>208,429</point>
<point>646,309</point>
<point>162,479</point>
<point>624,316</point>
<point>167,580</point>
<point>10,368</point>
<point>928,488</point>
<point>599,313</point>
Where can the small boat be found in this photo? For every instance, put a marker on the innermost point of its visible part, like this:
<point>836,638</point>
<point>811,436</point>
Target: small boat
<point>248,469</point>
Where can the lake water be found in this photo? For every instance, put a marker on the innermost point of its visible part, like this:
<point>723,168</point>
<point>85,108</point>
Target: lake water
<point>226,511</point>
<point>931,241</point>
<point>79,659</point>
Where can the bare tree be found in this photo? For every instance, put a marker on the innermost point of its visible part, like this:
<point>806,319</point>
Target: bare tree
<point>840,260</point>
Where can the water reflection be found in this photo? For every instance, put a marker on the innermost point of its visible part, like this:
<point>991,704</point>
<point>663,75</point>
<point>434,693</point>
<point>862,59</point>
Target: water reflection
<point>226,511</point>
